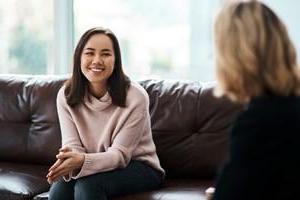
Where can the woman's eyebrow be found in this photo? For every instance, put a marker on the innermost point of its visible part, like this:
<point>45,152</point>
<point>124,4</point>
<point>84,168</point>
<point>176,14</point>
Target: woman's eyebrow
<point>89,48</point>
<point>106,50</point>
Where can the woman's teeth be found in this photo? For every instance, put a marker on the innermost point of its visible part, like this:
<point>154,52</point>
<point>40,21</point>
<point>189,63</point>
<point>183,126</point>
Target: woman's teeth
<point>96,70</point>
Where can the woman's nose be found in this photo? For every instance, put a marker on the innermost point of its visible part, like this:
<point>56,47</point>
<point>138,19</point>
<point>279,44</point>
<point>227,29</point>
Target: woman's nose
<point>97,60</point>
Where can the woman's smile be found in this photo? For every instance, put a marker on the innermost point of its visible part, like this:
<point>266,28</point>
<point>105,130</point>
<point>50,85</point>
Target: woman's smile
<point>96,69</point>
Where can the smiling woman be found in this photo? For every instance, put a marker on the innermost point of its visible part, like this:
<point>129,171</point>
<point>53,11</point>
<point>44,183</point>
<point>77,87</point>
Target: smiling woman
<point>105,125</point>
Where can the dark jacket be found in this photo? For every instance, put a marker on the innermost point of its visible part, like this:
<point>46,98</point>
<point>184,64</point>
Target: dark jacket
<point>264,152</point>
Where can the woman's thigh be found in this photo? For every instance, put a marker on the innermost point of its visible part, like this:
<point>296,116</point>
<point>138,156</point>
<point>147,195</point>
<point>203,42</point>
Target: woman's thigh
<point>136,177</point>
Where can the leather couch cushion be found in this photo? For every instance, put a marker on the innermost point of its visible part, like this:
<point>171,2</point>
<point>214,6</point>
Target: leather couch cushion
<point>189,189</point>
<point>21,181</point>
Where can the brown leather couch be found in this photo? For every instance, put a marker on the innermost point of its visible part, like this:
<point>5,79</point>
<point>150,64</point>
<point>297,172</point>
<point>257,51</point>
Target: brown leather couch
<point>190,130</point>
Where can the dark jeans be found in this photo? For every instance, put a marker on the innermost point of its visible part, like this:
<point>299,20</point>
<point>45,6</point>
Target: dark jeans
<point>136,177</point>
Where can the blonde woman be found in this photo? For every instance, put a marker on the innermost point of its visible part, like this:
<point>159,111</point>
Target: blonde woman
<point>256,66</point>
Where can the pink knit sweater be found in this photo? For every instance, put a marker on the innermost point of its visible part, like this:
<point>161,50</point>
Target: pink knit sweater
<point>108,135</point>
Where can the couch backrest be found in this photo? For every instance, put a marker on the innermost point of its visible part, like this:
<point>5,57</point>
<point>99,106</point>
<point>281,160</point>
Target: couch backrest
<point>190,126</point>
<point>29,129</point>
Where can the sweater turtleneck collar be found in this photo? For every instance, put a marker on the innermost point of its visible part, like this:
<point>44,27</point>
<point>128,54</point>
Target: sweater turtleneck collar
<point>98,104</point>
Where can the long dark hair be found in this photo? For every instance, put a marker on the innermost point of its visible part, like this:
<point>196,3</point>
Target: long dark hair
<point>118,82</point>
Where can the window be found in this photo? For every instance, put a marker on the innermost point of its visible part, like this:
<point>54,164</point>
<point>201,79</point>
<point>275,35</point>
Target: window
<point>26,36</point>
<point>288,11</point>
<point>158,38</point>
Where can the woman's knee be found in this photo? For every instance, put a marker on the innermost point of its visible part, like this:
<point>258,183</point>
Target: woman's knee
<point>89,188</point>
<point>61,190</point>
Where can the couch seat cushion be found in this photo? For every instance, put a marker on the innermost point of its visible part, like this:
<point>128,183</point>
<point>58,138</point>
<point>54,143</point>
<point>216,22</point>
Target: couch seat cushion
<point>22,181</point>
<point>172,190</point>
<point>175,189</point>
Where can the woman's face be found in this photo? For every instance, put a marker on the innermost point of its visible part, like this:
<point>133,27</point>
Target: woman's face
<point>98,59</point>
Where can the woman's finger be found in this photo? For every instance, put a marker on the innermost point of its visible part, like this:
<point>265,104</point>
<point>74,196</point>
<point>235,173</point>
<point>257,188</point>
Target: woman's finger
<point>60,167</point>
<point>65,155</point>
<point>56,164</point>
<point>57,174</point>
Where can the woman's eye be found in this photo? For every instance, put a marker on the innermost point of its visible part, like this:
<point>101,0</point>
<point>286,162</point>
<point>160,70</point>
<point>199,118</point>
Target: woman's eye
<point>106,54</point>
<point>88,53</point>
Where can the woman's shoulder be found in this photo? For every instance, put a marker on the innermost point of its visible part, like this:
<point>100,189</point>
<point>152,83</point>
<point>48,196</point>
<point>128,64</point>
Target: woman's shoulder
<point>270,108</point>
<point>275,103</point>
<point>137,94</point>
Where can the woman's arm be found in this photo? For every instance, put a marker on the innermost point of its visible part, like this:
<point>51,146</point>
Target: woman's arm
<point>71,144</point>
<point>119,154</point>
<point>69,133</point>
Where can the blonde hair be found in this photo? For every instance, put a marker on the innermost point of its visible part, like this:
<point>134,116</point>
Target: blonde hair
<point>254,55</point>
